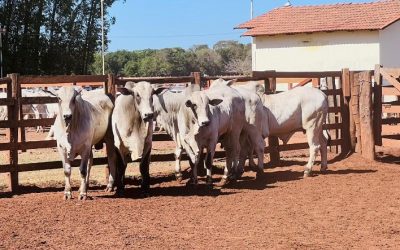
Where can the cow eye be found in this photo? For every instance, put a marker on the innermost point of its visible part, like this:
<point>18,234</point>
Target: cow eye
<point>137,98</point>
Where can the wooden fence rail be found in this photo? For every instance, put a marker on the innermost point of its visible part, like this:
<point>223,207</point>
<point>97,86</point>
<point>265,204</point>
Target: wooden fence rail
<point>14,102</point>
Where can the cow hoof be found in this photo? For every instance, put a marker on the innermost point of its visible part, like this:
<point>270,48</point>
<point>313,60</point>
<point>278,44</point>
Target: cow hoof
<point>120,192</point>
<point>324,170</point>
<point>260,175</point>
<point>307,173</point>
<point>67,195</point>
<point>109,189</point>
<point>179,178</point>
<point>223,182</point>
<point>192,183</point>
<point>239,173</point>
<point>82,197</point>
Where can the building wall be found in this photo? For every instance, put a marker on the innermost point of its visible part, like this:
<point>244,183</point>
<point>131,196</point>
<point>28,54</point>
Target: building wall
<point>322,51</point>
<point>390,46</point>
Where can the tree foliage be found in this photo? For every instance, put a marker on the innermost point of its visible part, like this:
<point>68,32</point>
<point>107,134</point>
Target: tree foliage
<point>52,36</point>
<point>226,57</point>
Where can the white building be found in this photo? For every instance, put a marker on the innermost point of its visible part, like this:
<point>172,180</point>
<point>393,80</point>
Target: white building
<point>326,37</point>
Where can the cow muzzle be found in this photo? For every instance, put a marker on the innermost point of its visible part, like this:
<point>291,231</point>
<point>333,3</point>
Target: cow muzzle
<point>204,123</point>
<point>67,119</point>
<point>148,117</point>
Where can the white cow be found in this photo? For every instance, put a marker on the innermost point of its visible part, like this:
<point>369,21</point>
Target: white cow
<point>300,108</point>
<point>132,125</point>
<point>83,121</point>
<point>166,109</point>
<point>206,116</point>
<point>256,128</point>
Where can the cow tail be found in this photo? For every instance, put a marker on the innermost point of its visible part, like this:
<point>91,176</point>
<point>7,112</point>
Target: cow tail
<point>327,136</point>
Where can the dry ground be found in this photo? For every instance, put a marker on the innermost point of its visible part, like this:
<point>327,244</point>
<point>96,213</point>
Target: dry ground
<point>355,205</point>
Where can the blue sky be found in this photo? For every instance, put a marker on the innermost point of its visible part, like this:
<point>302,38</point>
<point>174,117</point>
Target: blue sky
<point>155,24</point>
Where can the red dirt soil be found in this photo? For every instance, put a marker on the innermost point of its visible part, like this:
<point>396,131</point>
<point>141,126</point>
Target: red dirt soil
<point>355,205</point>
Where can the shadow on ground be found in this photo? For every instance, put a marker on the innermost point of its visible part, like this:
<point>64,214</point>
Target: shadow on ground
<point>180,189</point>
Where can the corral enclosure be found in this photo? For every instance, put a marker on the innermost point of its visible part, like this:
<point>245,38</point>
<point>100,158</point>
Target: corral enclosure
<point>355,205</point>
<point>17,125</point>
<point>341,87</point>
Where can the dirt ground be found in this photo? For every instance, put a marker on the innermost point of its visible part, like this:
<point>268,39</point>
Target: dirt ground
<point>355,205</point>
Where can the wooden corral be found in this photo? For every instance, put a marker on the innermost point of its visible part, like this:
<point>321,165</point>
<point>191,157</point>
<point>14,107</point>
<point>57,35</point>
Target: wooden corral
<point>342,91</point>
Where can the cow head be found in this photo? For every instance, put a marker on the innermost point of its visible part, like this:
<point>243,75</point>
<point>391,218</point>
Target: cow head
<point>222,82</point>
<point>142,93</point>
<point>199,103</point>
<point>67,97</point>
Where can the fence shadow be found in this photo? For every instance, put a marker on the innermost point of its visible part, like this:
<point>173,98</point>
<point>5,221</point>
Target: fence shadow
<point>388,158</point>
<point>392,137</point>
<point>33,189</point>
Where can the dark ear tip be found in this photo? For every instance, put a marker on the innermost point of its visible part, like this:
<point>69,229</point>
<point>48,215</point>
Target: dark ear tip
<point>188,103</point>
<point>159,90</point>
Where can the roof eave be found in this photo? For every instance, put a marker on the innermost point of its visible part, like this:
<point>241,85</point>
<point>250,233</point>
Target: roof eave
<point>249,33</point>
<point>390,23</point>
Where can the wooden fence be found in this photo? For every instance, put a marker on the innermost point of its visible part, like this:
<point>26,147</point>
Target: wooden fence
<point>339,108</point>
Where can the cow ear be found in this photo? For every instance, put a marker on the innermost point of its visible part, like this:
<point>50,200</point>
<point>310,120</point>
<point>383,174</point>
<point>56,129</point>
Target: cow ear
<point>125,91</point>
<point>50,92</point>
<point>78,97</point>
<point>158,91</point>
<point>130,85</point>
<point>189,103</point>
<point>230,82</point>
<point>215,102</point>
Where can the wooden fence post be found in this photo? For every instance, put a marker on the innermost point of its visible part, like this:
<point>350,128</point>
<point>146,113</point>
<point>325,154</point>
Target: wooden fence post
<point>378,105</point>
<point>355,107</point>
<point>21,117</point>
<point>196,78</point>
<point>110,85</point>
<point>273,141</point>
<point>345,130</point>
<point>13,112</point>
<point>352,125</point>
<point>366,122</point>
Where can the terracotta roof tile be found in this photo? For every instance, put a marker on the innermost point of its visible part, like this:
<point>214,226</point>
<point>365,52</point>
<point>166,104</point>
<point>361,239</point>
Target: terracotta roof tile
<point>337,17</point>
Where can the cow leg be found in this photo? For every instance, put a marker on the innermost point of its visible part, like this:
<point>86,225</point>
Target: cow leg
<point>120,165</point>
<point>67,177</point>
<point>252,163</point>
<point>84,169</point>
<point>50,135</point>
<point>144,171</point>
<point>209,162</point>
<point>67,174</point>
<point>178,172</point>
<point>243,154</point>
<point>111,158</point>
<point>228,165</point>
<point>324,152</point>
<point>314,144</point>
<point>259,148</point>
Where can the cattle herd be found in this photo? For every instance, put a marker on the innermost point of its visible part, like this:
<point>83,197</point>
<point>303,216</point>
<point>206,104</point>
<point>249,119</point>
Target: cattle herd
<point>239,117</point>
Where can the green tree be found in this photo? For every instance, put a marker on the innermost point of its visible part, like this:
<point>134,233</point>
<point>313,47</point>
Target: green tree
<point>52,36</point>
